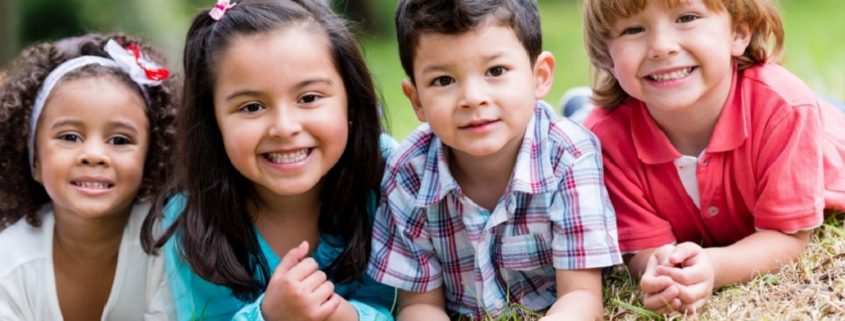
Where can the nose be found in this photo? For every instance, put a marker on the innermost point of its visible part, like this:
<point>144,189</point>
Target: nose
<point>474,94</point>
<point>93,154</point>
<point>286,122</point>
<point>662,43</point>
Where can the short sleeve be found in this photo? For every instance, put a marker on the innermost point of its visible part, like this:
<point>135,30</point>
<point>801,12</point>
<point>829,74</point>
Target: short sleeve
<point>638,223</point>
<point>402,252</point>
<point>790,172</point>
<point>583,220</point>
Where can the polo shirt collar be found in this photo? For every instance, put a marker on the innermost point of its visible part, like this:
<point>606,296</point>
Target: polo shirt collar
<point>732,127</point>
<point>653,147</point>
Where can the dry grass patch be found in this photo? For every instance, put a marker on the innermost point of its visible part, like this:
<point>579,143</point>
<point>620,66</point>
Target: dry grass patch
<point>813,288</point>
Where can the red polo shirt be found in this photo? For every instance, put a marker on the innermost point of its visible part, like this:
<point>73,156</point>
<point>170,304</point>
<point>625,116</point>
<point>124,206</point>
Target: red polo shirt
<point>775,161</point>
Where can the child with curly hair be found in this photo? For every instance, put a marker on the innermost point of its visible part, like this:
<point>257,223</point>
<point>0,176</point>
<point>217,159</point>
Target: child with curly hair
<point>86,124</point>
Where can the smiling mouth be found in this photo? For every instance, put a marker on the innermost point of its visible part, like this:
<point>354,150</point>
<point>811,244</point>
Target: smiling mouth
<point>669,76</point>
<point>94,185</point>
<point>288,157</point>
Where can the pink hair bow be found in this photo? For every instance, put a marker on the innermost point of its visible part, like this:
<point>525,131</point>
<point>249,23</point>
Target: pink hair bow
<point>219,9</point>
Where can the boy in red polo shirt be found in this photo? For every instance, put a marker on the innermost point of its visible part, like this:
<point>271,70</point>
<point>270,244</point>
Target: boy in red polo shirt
<point>719,163</point>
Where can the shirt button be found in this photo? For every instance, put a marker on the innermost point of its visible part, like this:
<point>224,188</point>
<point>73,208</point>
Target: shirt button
<point>712,211</point>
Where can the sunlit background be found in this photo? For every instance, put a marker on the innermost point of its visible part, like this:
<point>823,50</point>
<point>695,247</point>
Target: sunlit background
<point>815,33</point>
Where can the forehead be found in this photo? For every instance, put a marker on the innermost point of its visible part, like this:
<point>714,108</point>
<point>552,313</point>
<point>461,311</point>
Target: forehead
<point>274,57</point>
<point>488,39</point>
<point>614,10</point>
<point>95,100</point>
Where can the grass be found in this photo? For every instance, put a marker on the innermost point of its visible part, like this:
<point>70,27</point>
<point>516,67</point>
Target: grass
<point>814,47</point>
<point>812,288</point>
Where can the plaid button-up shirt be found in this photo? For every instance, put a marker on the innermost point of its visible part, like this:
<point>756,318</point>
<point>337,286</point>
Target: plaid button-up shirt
<point>555,214</point>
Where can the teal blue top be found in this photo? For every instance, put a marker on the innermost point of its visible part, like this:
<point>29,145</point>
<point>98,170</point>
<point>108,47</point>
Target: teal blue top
<point>198,299</point>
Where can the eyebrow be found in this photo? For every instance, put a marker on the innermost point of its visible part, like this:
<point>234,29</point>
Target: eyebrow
<point>112,124</point>
<point>436,68</point>
<point>300,85</point>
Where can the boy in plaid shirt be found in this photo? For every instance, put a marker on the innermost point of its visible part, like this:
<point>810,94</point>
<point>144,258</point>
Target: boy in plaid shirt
<point>494,199</point>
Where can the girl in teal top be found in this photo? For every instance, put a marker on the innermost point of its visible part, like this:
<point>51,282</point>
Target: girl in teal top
<point>279,165</point>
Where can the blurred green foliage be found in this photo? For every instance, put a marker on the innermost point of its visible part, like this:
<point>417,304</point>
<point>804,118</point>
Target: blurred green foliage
<point>815,37</point>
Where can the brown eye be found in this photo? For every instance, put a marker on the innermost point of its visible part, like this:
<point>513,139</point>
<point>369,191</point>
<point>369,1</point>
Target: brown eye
<point>70,137</point>
<point>442,81</point>
<point>251,107</point>
<point>496,71</point>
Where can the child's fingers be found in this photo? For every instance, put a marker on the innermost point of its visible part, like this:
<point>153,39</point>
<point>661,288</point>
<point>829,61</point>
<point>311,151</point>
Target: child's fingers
<point>654,283</point>
<point>694,274</point>
<point>662,300</point>
<point>683,252</point>
<point>662,254</point>
<point>292,258</point>
<point>302,270</point>
<point>324,293</point>
<point>691,294</point>
<point>328,307</point>
<point>314,280</point>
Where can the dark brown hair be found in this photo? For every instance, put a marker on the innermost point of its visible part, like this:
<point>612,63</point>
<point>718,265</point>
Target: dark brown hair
<point>215,233</point>
<point>20,194</point>
<point>761,16</point>
<point>414,17</point>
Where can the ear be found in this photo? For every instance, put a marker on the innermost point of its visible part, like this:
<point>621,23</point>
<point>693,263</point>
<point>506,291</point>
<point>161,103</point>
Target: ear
<point>36,171</point>
<point>742,37</point>
<point>410,91</point>
<point>544,71</point>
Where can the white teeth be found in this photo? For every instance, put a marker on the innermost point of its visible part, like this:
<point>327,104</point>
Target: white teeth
<point>92,185</point>
<point>678,74</point>
<point>286,158</point>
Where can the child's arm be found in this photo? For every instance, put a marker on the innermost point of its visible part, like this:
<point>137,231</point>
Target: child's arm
<point>699,270</point>
<point>428,306</point>
<point>578,296</point>
<point>371,301</point>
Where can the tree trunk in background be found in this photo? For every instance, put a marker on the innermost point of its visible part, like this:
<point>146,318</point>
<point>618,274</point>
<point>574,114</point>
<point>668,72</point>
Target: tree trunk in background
<point>9,23</point>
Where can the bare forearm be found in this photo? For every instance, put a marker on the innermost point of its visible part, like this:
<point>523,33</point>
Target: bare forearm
<point>759,253</point>
<point>576,305</point>
<point>422,312</point>
<point>423,306</point>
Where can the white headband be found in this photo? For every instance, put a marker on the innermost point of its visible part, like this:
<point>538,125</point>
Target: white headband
<point>141,70</point>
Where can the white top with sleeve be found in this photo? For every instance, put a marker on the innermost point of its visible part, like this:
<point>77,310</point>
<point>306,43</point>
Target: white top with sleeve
<point>28,284</point>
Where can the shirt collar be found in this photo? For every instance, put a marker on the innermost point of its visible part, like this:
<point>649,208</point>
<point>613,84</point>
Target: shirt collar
<point>653,147</point>
<point>531,174</point>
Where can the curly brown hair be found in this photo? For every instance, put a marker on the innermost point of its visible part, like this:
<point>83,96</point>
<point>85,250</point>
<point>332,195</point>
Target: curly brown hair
<point>20,195</point>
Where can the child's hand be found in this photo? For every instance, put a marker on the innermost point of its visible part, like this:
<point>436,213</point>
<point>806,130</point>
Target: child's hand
<point>298,290</point>
<point>660,293</point>
<point>690,268</point>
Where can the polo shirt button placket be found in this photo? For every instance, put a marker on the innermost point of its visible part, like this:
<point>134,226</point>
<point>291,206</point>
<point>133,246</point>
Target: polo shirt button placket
<point>712,211</point>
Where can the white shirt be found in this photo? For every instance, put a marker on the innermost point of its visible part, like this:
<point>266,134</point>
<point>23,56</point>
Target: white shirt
<point>28,284</point>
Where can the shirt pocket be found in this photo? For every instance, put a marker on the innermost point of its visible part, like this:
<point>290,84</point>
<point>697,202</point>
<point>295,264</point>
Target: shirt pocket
<point>524,252</point>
